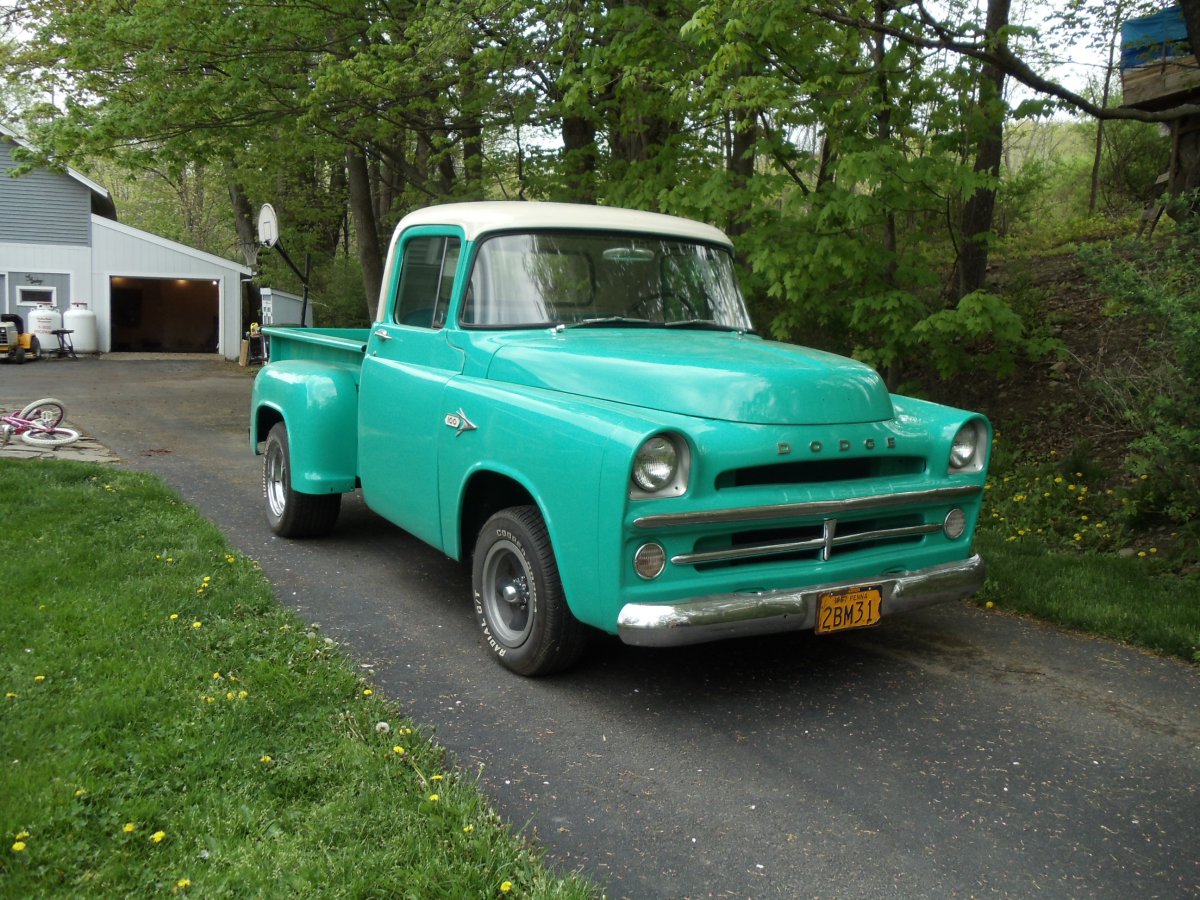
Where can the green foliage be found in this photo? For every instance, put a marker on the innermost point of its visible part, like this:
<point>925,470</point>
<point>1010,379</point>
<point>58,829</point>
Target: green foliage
<point>982,332</point>
<point>1160,403</point>
<point>168,728</point>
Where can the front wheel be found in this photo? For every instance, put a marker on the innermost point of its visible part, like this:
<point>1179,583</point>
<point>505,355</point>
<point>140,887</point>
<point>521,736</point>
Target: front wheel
<point>51,437</point>
<point>519,599</point>
<point>290,513</point>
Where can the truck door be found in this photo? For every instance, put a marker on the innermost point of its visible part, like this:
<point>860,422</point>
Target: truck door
<point>408,362</point>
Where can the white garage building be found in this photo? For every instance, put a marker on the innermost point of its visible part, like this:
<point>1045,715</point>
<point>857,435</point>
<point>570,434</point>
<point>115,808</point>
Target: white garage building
<point>62,247</point>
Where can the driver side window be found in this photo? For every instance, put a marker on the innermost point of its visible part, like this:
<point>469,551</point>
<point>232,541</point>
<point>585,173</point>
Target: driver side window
<point>426,280</point>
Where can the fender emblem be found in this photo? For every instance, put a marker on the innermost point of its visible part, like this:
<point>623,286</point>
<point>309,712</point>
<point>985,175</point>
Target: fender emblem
<point>459,422</point>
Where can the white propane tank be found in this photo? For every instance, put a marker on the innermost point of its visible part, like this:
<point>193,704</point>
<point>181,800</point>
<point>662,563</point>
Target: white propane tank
<point>42,322</point>
<point>82,321</point>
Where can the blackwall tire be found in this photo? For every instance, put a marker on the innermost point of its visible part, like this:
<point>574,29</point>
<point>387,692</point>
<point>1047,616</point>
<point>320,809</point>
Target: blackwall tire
<point>290,513</point>
<point>519,600</point>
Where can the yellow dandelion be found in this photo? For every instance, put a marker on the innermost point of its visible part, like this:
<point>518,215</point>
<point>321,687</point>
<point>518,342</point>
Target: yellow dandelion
<point>1142,553</point>
<point>1153,549</point>
<point>80,792</point>
<point>39,678</point>
<point>505,887</point>
<point>128,828</point>
<point>210,699</point>
<point>398,750</point>
<point>467,829</point>
<point>242,695</point>
<point>433,798</point>
<point>207,579</point>
<point>183,884</point>
<point>436,777</point>
<point>18,846</point>
<point>264,758</point>
<point>173,616</point>
<point>21,835</point>
<point>10,696</point>
<point>158,836</point>
<point>196,624</point>
<point>367,692</point>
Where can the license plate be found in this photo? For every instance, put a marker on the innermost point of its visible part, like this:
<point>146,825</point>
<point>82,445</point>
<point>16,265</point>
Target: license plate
<point>856,607</point>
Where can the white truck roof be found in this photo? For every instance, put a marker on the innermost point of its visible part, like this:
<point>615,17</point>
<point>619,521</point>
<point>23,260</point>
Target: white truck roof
<point>519,215</point>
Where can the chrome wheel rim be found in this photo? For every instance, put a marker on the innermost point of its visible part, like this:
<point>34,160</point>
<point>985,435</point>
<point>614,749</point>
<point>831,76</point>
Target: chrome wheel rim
<point>274,475</point>
<point>507,597</point>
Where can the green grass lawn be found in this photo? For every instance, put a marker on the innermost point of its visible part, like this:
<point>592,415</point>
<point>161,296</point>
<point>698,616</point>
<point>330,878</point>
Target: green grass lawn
<point>1101,594</point>
<point>168,728</point>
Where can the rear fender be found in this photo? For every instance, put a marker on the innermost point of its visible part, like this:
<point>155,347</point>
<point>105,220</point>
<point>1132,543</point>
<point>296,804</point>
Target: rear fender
<point>319,406</point>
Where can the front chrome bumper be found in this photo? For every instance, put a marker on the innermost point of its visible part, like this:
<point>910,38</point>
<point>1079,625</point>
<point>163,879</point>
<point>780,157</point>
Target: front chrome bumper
<point>721,616</point>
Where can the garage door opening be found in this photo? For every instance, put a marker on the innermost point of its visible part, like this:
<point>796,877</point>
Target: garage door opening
<point>165,315</point>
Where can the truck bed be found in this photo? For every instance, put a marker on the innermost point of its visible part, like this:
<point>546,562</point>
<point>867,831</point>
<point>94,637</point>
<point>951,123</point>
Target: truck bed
<point>335,345</point>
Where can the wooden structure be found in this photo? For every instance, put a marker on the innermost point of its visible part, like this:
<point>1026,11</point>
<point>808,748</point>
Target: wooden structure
<point>1159,72</point>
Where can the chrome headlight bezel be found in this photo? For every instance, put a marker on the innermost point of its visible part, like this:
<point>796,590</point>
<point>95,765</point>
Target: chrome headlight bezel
<point>660,467</point>
<point>968,449</point>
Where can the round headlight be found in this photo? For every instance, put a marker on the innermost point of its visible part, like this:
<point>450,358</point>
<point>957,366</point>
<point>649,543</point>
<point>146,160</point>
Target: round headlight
<point>655,464</point>
<point>966,445</point>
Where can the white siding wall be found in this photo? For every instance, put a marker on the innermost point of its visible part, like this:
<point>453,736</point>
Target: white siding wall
<point>121,251</point>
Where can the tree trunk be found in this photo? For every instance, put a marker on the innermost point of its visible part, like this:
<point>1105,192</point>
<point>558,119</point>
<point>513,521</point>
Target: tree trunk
<point>883,123</point>
<point>980,208</point>
<point>1191,17</point>
<point>1096,159</point>
<point>741,160</point>
<point>580,158</point>
<point>244,224</point>
<point>362,212</point>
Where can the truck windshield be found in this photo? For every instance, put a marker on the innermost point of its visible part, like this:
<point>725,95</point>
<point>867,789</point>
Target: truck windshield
<point>545,279</point>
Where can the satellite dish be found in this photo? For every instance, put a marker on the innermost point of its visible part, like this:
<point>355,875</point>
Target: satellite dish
<point>268,226</point>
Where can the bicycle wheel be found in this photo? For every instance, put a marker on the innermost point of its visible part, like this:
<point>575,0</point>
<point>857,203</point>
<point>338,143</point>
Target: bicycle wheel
<point>51,437</point>
<point>48,413</point>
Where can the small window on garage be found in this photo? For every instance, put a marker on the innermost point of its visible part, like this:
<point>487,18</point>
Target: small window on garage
<point>37,296</point>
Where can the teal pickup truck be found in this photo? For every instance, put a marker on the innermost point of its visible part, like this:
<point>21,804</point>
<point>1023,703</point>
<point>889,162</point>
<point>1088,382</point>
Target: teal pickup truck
<point>572,398</point>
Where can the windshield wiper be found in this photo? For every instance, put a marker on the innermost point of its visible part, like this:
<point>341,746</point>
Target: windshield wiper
<point>612,322</point>
<point>702,324</point>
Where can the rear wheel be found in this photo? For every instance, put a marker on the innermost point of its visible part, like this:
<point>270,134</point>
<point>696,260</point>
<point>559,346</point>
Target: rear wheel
<point>519,599</point>
<point>47,413</point>
<point>290,513</point>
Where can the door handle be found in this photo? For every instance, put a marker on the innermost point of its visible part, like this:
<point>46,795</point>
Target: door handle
<point>382,334</point>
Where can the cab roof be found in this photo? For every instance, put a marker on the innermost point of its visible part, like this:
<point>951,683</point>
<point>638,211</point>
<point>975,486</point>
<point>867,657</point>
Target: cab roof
<point>476,219</point>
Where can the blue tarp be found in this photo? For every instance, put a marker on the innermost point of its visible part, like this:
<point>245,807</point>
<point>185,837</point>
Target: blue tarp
<point>1150,39</point>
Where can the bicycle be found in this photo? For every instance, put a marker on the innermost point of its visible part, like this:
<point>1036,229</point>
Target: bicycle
<point>39,425</point>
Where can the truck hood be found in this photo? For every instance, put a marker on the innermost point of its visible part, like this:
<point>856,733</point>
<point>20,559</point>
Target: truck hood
<point>713,375</point>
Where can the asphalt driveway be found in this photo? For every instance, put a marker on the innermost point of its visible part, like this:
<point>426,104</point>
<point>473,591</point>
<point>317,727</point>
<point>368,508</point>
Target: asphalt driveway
<point>952,752</point>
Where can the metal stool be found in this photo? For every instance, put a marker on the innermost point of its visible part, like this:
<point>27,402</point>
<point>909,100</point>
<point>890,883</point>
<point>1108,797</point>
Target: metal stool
<point>66,346</point>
